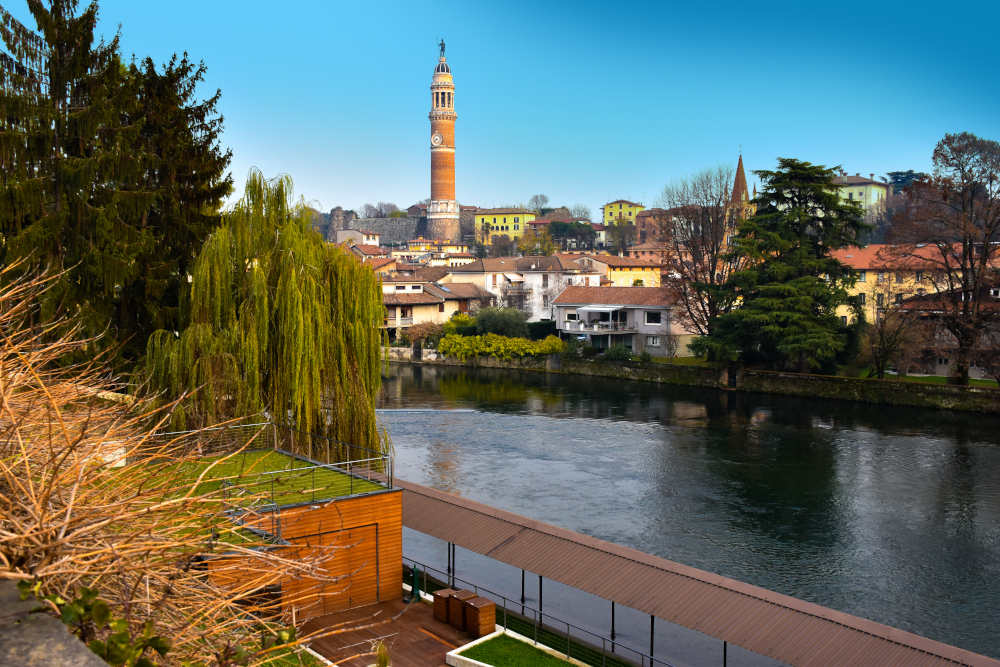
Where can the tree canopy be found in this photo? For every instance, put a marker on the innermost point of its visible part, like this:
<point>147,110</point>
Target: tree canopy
<point>276,321</point>
<point>111,174</point>
<point>790,288</point>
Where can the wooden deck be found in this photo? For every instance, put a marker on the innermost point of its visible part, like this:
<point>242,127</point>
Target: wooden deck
<point>415,639</point>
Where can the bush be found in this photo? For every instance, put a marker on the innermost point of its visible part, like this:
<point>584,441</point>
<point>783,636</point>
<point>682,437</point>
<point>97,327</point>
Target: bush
<point>618,353</point>
<point>460,319</point>
<point>646,357</point>
<point>501,347</point>
<point>470,330</point>
<point>541,330</point>
<point>590,351</point>
<point>508,322</point>
<point>572,347</point>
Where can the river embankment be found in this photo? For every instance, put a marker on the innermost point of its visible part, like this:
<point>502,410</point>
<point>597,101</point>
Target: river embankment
<point>877,392</point>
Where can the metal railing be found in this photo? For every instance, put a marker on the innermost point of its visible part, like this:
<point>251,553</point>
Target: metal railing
<point>550,635</point>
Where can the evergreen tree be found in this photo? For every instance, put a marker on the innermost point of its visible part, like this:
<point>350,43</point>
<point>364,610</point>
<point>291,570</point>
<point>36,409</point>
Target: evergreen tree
<point>112,175</point>
<point>278,322</point>
<point>791,287</point>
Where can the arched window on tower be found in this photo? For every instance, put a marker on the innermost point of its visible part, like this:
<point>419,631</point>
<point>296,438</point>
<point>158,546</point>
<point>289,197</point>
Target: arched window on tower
<point>450,97</point>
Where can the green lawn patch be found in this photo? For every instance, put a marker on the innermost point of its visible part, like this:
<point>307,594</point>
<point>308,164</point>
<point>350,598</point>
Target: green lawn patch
<point>678,361</point>
<point>929,379</point>
<point>505,651</point>
<point>285,479</point>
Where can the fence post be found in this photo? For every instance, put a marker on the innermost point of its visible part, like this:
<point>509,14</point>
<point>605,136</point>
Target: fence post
<point>652,628</point>
<point>724,647</point>
<point>567,641</point>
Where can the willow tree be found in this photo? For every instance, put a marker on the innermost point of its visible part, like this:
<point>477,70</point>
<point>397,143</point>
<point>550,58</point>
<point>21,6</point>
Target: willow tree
<point>276,322</point>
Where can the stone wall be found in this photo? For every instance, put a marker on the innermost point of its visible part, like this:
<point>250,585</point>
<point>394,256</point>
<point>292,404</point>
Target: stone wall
<point>393,230</point>
<point>882,392</point>
<point>467,226</point>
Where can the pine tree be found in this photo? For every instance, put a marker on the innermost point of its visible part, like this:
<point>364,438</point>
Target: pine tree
<point>278,322</point>
<point>789,292</point>
<point>112,175</point>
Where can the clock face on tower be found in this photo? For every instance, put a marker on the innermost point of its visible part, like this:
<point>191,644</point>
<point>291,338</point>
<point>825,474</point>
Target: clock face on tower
<point>436,139</point>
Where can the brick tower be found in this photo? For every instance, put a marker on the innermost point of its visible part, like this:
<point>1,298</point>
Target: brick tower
<point>443,211</point>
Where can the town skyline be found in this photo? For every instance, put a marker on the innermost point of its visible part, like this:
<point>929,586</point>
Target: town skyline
<point>559,106</point>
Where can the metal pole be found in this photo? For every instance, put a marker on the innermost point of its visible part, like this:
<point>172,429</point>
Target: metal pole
<point>612,624</point>
<point>651,631</point>
<point>724,651</point>
<point>539,593</point>
<point>522,586</point>
<point>567,641</point>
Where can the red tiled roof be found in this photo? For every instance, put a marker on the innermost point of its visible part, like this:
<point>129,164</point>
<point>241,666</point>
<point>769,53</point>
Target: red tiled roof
<point>615,296</point>
<point>409,298</point>
<point>886,256</point>
<point>370,249</point>
<point>379,262</point>
<point>622,201</point>
<point>857,179</point>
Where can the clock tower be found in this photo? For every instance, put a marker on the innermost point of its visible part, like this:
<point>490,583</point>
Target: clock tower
<point>443,211</point>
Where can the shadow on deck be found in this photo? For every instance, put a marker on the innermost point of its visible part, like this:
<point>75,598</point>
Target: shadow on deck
<point>415,639</point>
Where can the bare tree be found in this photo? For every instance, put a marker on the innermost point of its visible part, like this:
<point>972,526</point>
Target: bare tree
<point>953,222</point>
<point>380,210</point>
<point>697,220</point>
<point>580,211</point>
<point>538,202</point>
<point>894,331</point>
<point>621,236</point>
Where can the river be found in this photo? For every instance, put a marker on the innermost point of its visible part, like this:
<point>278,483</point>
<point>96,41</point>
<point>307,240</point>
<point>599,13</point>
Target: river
<point>891,514</point>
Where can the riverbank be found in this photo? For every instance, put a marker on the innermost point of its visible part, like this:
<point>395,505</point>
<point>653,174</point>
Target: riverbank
<point>878,392</point>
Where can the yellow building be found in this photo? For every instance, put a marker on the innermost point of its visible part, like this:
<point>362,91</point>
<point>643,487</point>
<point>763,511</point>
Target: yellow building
<point>422,245</point>
<point>868,192</point>
<point>624,271</point>
<point>886,276</point>
<point>492,222</point>
<point>621,209</point>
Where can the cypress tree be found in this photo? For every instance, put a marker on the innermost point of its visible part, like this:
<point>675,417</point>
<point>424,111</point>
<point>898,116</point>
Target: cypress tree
<point>277,322</point>
<point>790,290</point>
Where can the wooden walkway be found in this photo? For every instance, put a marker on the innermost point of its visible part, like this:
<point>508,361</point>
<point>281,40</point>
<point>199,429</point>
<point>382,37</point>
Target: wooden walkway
<point>415,639</point>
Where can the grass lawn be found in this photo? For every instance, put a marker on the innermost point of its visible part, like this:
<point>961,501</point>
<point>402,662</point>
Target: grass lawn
<point>291,480</point>
<point>678,361</point>
<point>505,651</point>
<point>931,379</point>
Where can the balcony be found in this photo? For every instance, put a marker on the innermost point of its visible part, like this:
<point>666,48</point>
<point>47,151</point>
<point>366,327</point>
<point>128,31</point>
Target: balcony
<point>599,327</point>
<point>395,323</point>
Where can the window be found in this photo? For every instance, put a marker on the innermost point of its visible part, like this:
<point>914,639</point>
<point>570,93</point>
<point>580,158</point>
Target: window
<point>919,276</point>
<point>630,212</point>
<point>881,276</point>
<point>899,298</point>
<point>391,312</point>
<point>862,276</point>
<point>942,361</point>
<point>619,207</point>
<point>494,221</point>
<point>505,221</point>
<point>653,340</point>
<point>572,317</point>
<point>400,287</point>
<point>994,292</point>
<point>414,288</point>
<point>441,307</point>
<point>654,317</point>
<point>843,320</point>
<point>850,195</point>
<point>899,277</point>
<point>861,298</point>
<point>880,299</point>
<point>516,227</point>
<point>545,301</point>
<point>516,219</point>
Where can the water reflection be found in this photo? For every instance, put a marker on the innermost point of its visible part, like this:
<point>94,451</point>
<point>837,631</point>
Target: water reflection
<point>892,514</point>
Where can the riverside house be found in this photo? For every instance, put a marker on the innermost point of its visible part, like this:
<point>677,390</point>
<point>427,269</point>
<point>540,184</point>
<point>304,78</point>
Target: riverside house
<point>410,300</point>
<point>625,271</point>
<point>637,317</point>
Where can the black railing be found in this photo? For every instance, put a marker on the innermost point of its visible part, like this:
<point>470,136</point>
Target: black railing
<point>545,629</point>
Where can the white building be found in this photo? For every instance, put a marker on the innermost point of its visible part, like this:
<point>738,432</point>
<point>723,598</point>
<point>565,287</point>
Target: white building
<point>637,317</point>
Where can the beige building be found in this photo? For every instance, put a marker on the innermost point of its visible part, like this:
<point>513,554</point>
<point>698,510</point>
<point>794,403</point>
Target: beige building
<point>410,301</point>
<point>624,271</point>
<point>359,236</point>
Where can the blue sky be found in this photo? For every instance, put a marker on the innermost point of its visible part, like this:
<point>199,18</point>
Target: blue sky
<point>584,101</point>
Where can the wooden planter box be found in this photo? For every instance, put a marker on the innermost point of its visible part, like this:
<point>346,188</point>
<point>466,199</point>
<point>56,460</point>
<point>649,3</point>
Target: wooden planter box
<point>480,616</point>
<point>456,608</point>
<point>441,598</point>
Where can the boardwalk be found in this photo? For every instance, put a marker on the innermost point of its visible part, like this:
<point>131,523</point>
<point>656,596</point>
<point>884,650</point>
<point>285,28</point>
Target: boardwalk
<point>415,639</point>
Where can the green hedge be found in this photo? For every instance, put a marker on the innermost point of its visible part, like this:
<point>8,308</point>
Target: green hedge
<point>541,330</point>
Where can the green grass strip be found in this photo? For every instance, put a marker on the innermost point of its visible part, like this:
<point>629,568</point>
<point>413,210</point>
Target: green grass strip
<point>505,651</point>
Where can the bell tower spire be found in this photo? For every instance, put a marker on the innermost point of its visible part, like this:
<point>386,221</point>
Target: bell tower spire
<point>443,211</point>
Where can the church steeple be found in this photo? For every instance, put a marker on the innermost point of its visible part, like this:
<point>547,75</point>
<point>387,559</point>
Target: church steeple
<point>741,194</point>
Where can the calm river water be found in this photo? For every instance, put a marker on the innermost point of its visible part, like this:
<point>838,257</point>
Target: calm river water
<point>891,514</point>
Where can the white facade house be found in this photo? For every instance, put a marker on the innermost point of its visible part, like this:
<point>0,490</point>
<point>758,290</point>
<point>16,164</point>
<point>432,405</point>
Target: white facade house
<point>530,284</point>
<point>868,192</point>
<point>637,317</point>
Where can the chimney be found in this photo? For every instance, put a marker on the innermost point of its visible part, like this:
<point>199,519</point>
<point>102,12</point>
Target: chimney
<point>857,173</point>
<point>871,176</point>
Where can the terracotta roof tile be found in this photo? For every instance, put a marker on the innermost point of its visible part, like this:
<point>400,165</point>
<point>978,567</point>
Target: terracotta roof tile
<point>616,296</point>
<point>409,298</point>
